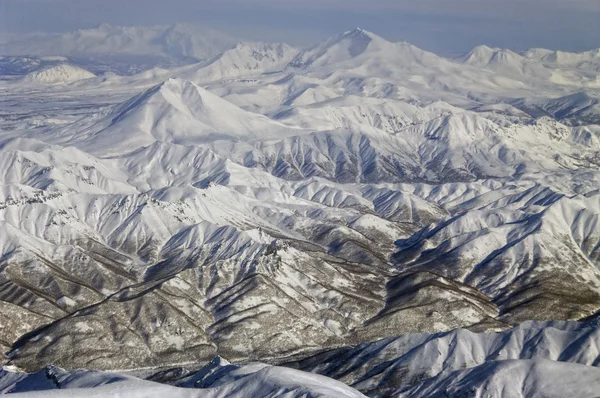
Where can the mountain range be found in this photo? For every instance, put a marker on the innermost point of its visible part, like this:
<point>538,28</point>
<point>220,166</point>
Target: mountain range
<point>408,224</point>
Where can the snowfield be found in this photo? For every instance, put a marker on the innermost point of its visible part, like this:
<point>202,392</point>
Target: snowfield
<point>406,224</point>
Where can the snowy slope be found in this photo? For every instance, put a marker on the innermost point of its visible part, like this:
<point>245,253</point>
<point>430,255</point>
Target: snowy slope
<point>514,379</point>
<point>21,65</point>
<point>360,62</point>
<point>557,67</point>
<point>62,73</point>
<point>506,62</point>
<point>253,380</point>
<point>176,111</point>
<point>584,60</point>
<point>243,60</point>
<point>580,108</point>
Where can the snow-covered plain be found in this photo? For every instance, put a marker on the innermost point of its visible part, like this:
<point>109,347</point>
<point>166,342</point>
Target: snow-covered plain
<point>267,203</point>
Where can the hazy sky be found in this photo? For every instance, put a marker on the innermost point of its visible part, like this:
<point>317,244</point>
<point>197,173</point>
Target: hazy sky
<point>443,26</point>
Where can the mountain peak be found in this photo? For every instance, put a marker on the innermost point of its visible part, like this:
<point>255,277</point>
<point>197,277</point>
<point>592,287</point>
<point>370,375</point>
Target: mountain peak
<point>347,45</point>
<point>360,34</point>
<point>175,93</point>
<point>357,32</point>
<point>176,82</point>
<point>245,58</point>
<point>484,56</point>
<point>105,26</point>
<point>478,52</point>
<point>179,111</point>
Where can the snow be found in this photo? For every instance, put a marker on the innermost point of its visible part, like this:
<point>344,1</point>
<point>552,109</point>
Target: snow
<point>533,359</point>
<point>253,380</point>
<point>514,379</point>
<point>259,201</point>
<point>62,73</point>
<point>244,60</point>
<point>179,112</point>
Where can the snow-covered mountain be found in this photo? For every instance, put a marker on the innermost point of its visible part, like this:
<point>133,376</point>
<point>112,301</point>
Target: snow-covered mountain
<point>506,62</point>
<point>62,73</point>
<point>243,60</point>
<point>175,111</point>
<point>560,68</point>
<point>272,204</point>
<point>587,59</point>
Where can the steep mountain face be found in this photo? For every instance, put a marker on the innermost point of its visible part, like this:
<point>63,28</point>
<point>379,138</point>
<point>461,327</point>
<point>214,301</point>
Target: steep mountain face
<point>450,147</point>
<point>519,248</point>
<point>273,204</point>
<point>362,63</point>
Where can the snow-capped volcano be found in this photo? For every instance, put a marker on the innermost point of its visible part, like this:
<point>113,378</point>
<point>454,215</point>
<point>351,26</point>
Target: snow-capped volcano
<point>179,111</point>
<point>340,48</point>
<point>484,56</point>
<point>362,62</point>
<point>176,111</point>
<point>357,44</point>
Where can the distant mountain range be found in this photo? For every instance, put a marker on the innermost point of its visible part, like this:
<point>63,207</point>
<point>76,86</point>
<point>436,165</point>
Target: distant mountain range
<point>179,41</point>
<point>124,49</point>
